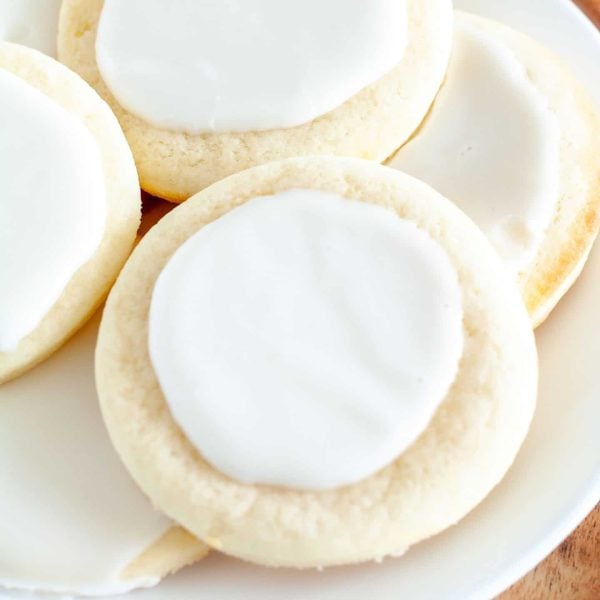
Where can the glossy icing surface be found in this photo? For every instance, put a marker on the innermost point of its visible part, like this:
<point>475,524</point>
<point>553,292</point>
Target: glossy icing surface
<point>32,23</point>
<point>491,145</point>
<point>71,517</point>
<point>53,204</point>
<point>244,64</point>
<point>305,340</point>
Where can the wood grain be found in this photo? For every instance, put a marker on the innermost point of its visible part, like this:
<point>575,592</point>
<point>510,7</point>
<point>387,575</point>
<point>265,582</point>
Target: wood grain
<point>572,571</point>
<point>591,8</point>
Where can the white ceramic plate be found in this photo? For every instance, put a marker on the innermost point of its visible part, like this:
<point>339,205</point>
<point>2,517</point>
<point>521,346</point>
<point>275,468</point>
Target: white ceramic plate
<point>553,484</point>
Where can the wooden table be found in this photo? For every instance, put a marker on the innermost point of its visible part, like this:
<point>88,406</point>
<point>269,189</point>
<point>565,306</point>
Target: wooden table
<point>572,571</point>
<point>591,8</point>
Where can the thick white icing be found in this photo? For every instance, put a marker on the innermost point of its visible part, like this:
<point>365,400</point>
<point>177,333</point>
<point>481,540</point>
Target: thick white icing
<point>53,204</point>
<point>33,23</point>
<point>244,64</point>
<point>71,518</point>
<point>491,144</point>
<point>305,340</point>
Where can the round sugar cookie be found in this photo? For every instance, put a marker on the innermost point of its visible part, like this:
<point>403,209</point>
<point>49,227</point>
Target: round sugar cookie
<point>71,519</point>
<point>464,450</point>
<point>72,99</point>
<point>371,124</point>
<point>514,140</point>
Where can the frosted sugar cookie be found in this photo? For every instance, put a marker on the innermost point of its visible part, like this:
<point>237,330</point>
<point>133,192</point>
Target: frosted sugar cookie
<point>71,519</point>
<point>514,140</point>
<point>70,205</point>
<point>33,23</point>
<point>314,362</point>
<point>206,89</point>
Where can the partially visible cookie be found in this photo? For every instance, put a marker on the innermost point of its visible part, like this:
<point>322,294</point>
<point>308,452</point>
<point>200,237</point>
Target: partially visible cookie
<point>514,140</point>
<point>176,163</point>
<point>228,389</point>
<point>71,519</point>
<point>71,205</point>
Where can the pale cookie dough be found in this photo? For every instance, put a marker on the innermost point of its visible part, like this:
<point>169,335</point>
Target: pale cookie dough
<point>87,288</point>
<point>371,124</point>
<point>462,454</point>
<point>71,519</point>
<point>556,246</point>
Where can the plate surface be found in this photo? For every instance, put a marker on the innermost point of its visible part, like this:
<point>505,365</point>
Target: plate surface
<point>555,480</point>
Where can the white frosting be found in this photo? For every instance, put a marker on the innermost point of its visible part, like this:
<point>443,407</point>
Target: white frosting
<point>33,23</point>
<point>71,518</point>
<point>305,340</point>
<point>222,65</point>
<point>53,204</point>
<point>491,144</point>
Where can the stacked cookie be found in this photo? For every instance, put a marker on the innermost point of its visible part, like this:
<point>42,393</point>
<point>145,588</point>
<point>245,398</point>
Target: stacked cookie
<point>316,359</point>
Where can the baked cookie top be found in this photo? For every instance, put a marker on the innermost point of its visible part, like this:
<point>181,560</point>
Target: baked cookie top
<point>479,412</point>
<point>72,203</point>
<point>380,100</point>
<point>514,140</point>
